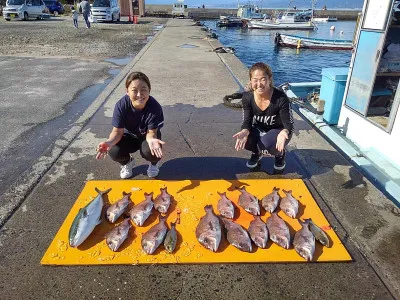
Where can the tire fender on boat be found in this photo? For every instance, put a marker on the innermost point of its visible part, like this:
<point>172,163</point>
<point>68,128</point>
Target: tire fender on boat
<point>277,38</point>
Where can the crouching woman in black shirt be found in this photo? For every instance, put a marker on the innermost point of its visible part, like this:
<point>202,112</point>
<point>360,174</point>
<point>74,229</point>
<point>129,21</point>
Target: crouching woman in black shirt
<point>267,119</point>
<point>137,121</point>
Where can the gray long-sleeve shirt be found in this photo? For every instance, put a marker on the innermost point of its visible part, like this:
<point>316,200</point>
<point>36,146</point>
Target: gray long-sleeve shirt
<point>85,6</point>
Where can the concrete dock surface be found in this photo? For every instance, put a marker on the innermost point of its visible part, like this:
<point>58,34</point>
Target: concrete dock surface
<point>189,80</point>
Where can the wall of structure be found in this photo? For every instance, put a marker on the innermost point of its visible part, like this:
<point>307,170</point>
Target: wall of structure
<point>367,135</point>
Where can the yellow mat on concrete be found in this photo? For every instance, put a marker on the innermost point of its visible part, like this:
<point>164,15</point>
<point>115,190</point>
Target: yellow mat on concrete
<point>190,197</point>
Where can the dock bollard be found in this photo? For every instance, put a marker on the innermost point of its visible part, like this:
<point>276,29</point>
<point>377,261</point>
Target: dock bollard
<point>320,106</point>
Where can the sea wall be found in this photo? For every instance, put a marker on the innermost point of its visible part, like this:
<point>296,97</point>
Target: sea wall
<point>215,13</point>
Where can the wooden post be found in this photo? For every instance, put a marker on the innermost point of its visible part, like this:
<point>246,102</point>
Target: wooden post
<point>320,106</point>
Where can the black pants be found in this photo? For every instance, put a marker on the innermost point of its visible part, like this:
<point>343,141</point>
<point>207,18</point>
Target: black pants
<point>131,143</point>
<point>86,17</point>
<point>260,141</point>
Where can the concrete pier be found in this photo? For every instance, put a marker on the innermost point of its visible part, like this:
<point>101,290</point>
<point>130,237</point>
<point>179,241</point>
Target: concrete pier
<point>190,80</point>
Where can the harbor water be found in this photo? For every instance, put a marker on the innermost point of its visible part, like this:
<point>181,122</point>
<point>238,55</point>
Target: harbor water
<point>288,64</point>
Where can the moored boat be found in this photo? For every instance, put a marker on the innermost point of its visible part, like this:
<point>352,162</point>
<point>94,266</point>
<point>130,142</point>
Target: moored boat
<point>326,19</point>
<point>229,21</point>
<point>289,20</point>
<point>270,24</point>
<point>295,41</point>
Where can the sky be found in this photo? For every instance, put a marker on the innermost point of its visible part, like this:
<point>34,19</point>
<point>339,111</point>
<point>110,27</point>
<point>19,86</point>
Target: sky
<point>267,4</point>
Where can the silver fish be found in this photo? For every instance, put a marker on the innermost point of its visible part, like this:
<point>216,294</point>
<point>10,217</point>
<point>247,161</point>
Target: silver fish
<point>289,204</point>
<point>249,202</point>
<point>270,201</point>
<point>318,233</point>
<point>118,208</point>
<point>141,211</point>
<point>86,220</point>
<point>118,235</point>
<point>225,206</point>
<point>170,239</point>
<point>208,231</point>
<point>237,236</point>
<point>304,242</point>
<point>278,231</point>
<point>258,232</point>
<point>162,201</point>
<point>154,236</point>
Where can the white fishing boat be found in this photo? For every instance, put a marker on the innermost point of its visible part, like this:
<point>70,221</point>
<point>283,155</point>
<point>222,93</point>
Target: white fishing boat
<point>318,20</point>
<point>289,20</point>
<point>295,41</point>
<point>326,19</point>
<point>271,24</point>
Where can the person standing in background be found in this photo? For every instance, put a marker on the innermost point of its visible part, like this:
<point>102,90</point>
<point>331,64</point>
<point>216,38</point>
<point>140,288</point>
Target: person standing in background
<point>85,7</point>
<point>75,18</point>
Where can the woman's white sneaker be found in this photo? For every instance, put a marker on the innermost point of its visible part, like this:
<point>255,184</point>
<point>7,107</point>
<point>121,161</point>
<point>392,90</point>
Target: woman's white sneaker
<point>126,170</point>
<point>153,170</point>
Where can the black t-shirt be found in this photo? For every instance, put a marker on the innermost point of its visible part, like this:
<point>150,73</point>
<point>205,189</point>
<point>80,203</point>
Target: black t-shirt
<point>278,115</point>
<point>136,121</point>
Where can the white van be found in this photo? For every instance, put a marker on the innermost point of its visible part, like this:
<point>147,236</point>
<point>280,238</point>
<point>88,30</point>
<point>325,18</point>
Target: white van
<point>23,9</point>
<point>179,10</point>
<point>105,10</point>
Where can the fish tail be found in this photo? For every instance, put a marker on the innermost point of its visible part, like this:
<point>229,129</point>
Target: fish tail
<point>208,207</point>
<point>126,194</point>
<point>102,192</point>
<point>162,217</point>
<point>149,195</point>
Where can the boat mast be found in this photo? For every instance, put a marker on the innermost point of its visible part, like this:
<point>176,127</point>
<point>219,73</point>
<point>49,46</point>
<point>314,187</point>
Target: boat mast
<point>313,2</point>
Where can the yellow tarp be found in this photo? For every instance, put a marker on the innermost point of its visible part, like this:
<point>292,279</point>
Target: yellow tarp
<point>190,197</point>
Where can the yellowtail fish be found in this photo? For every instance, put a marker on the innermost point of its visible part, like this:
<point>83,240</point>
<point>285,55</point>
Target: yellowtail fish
<point>86,220</point>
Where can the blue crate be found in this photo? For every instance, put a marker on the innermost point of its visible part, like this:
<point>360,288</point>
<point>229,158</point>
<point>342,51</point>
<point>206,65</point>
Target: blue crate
<point>333,84</point>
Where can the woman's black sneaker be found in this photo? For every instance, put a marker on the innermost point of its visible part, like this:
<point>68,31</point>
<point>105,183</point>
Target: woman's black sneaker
<point>254,160</point>
<point>280,162</point>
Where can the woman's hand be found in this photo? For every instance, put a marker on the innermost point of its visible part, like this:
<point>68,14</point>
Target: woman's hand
<point>281,139</point>
<point>241,139</point>
<point>102,150</point>
<point>155,146</point>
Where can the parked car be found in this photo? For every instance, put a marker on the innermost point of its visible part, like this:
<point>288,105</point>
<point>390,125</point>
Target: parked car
<point>105,10</point>
<point>23,9</point>
<point>396,12</point>
<point>55,7</point>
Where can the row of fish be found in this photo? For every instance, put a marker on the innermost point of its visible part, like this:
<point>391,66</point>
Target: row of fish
<point>151,239</point>
<point>140,212</point>
<point>289,204</point>
<point>209,233</point>
<point>89,217</point>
